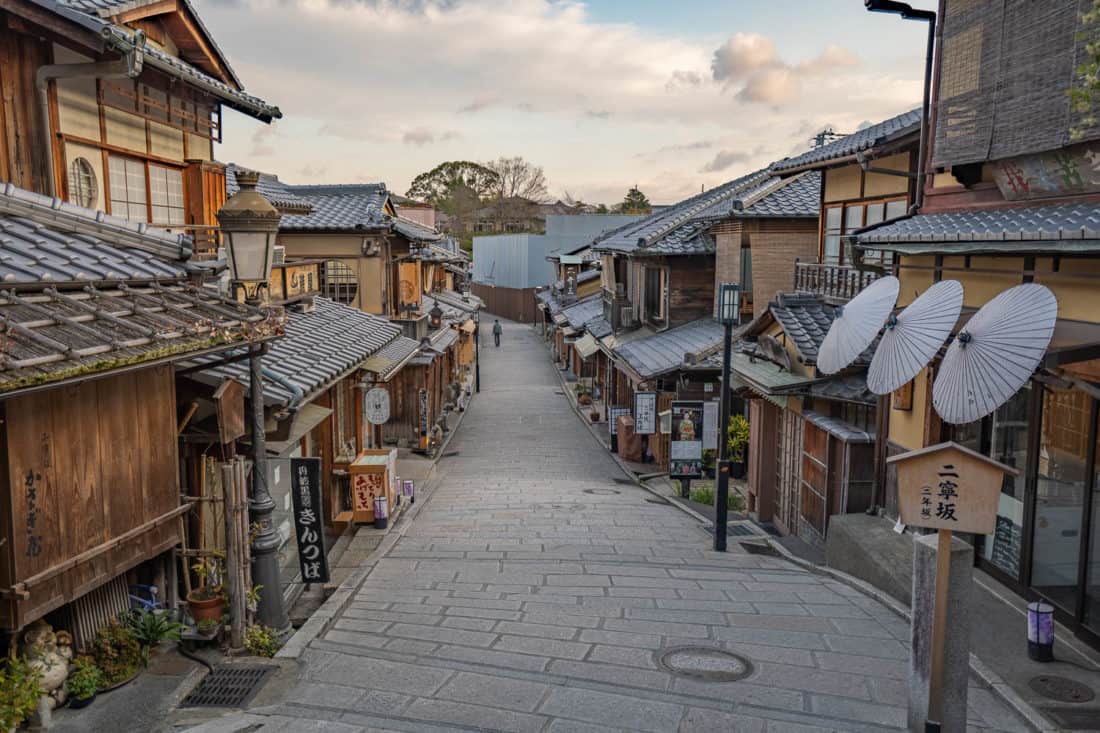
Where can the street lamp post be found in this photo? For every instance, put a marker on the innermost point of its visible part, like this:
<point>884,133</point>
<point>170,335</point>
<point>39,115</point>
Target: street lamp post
<point>477,353</point>
<point>729,315</point>
<point>249,224</point>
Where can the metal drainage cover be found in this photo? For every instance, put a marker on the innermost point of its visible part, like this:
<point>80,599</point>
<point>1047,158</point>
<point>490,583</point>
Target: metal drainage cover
<point>228,686</point>
<point>601,492</point>
<point>705,663</point>
<point>735,530</point>
<point>1062,689</point>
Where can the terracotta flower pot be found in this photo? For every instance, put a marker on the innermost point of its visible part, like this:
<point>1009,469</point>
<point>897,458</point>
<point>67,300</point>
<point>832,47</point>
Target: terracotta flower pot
<point>203,609</point>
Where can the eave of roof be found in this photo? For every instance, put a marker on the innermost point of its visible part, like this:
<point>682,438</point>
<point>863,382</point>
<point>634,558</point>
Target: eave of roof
<point>888,132</point>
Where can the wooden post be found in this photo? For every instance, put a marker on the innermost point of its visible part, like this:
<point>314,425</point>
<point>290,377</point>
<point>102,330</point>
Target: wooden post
<point>233,558</point>
<point>939,624</point>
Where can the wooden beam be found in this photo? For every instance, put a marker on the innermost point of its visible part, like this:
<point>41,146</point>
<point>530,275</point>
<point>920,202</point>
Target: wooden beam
<point>146,11</point>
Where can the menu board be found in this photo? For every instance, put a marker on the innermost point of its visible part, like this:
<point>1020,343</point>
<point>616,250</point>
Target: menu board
<point>645,413</point>
<point>1007,539</point>
<point>613,415</point>
<point>305,482</point>
<point>710,425</point>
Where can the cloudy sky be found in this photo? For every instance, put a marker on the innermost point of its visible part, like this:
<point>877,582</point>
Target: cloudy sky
<point>605,94</point>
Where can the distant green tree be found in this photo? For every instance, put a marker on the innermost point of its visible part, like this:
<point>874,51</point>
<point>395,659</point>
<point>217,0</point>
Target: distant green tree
<point>437,185</point>
<point>602,209</point>
<point>635,202</point>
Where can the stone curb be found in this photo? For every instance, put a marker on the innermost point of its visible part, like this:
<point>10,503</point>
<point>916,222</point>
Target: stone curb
<point>983,672</point>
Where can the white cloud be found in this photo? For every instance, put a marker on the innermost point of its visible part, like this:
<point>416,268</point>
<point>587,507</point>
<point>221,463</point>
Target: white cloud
<point>378,85</point>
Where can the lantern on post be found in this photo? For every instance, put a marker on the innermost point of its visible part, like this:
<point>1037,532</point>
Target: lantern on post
<point>249,224</point>
<point>436,316</point>
<point>729,304</point>
<point>729,315</point>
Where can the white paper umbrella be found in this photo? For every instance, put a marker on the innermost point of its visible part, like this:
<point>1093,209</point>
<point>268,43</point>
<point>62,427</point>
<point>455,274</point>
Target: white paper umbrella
<point>856,324</point>
<point>914,336</point>
<point>995,353</point>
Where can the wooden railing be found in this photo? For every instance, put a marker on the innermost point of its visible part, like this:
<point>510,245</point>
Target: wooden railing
<point>833,282</point>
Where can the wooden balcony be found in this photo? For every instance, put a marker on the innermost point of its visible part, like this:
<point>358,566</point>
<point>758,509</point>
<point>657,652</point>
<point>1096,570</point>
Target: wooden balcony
<point>205,239</point>
<point>836,283</point>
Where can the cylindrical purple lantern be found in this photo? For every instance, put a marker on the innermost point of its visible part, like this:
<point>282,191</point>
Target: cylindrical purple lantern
<point>1040,631</point>
<point>409,492</point>
<point>381,516</point>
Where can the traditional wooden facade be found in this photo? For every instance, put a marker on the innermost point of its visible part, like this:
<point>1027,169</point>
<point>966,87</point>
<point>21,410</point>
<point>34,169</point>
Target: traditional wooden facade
<point>116,106</point>
<point>1010,200</point>
<point>90,488</point>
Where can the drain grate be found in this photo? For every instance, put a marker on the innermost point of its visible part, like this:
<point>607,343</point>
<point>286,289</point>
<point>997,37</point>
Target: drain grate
<point>1062,689</point>
<point>759,548</point>
<point>228,686</point>
<point>601,492</point>
<point>1074,718</point>
<point>704,663</point>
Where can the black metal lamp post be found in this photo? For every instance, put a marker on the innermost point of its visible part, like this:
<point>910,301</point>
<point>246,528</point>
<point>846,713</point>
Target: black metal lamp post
<point>250,223</point>
<point>729,315</point>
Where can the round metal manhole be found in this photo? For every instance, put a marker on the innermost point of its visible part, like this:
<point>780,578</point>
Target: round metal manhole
<point>704,663</point>
<point>601,492</point>
<point>1062,689</point>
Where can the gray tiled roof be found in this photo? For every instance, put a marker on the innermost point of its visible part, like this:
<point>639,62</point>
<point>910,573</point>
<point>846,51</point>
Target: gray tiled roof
<point>795,197</point>
<point>675,230</point>
<point>664,352</point>
<point>1052,228</point>
<point>847,388</point>
<point>469,305</point>
<point>352,207</point>
<point>884,132</point>
<point>109,8</point>
<point>122,39</point>
<point>46,239</point>
<point>806,318</point>
<point>586,275</point>
<point>387,360</point>
<point>598,327</point>
<point>272,189</point>
<point>584,310</point>
<point>320,347</point>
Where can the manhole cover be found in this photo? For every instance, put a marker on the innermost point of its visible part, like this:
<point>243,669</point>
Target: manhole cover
<point>1062,689</point>
<point>706,663</point>
<point>1074,718</point>
<point>601,492</point>
<point>228,686</point>
<point>658,500</point>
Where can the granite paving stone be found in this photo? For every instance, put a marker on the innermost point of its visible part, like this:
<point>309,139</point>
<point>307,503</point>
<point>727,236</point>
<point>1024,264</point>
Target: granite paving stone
<point>508,599</point>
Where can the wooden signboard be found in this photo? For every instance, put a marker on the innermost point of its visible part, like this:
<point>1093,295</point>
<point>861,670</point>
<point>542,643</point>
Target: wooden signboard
<point>229,403</point>
<point>645,413</point>
<point>371,475</point>
<point>305,482</point>
<point>950,487</point>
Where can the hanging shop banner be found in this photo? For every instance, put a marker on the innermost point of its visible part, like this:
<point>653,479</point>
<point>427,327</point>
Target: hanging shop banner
<point>424,417</point>
<point>686,454</point>
<point>378,406</point>
<point>710,425</point>
<point>305,489</point>
<point>645,413</point>
<point>613,414</point>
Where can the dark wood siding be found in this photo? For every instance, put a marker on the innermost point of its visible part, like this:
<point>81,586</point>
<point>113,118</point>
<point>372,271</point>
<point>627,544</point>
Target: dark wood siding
<point>22,152</point>
<point>691,288</point>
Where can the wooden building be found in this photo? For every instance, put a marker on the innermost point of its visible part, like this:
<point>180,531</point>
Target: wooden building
<point>91,490</point>
<point>1012,198</point>
<point>116,106</point>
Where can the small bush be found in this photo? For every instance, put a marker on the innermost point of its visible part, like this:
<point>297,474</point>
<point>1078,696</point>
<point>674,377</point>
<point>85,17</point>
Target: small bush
<point>84,679</point>
<point>19,691</point>
<point>705,495</point>
<point>261,641</point>
<point>117,654</point>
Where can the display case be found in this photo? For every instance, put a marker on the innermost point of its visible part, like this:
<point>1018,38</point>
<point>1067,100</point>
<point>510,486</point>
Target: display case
<point>372,474</point>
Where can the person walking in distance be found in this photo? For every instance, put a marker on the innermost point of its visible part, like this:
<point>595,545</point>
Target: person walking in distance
<point>497,330</point>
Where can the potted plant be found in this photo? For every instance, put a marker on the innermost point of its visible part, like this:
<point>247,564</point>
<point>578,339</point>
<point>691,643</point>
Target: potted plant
<point>208,626</point>
<point>19,692</point>
<point>261,641</point>
<point>117,654</point>
<point>207,600</point>
<point>594,415</point>
<point>83,682</point>
<point>150,628</point>
<point>737,435</point>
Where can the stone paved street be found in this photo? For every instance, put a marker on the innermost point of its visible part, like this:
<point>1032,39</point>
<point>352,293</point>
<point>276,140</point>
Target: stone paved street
<point>533,589</point>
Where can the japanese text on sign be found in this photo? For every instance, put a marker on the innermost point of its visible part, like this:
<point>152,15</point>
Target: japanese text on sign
<point>645,413</point>
<point>305,480</point>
